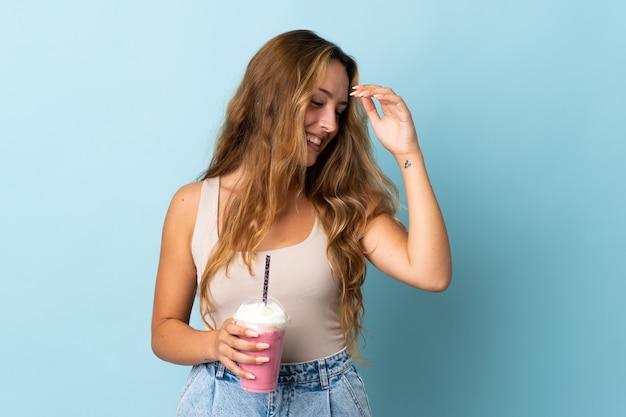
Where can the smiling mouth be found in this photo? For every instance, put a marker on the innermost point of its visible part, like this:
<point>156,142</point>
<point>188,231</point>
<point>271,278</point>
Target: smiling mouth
<point>314,140</point>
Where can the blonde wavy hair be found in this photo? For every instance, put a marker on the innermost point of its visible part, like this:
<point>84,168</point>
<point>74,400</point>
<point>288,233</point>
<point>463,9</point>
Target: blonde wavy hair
<point>264,131</point>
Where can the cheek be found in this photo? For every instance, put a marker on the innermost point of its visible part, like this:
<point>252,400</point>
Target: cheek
<point>309,117</point>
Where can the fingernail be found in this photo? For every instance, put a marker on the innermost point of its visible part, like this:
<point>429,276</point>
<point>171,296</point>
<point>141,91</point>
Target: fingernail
<point>262,345</point>
<point>262,359</point>
<point>251,333</point>
<point>248,375</point>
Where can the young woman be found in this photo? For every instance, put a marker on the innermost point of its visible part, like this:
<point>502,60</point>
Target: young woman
<point>293,176</point>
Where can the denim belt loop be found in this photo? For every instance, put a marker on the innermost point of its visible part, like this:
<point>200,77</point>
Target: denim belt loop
<point>321,365</point>
<point>219,372</point>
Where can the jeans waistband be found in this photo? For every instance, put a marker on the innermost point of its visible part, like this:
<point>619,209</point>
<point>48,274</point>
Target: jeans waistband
<point>318,370</point>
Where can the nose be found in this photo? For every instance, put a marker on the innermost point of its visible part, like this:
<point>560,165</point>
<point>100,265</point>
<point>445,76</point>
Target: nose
<point>328,122</point>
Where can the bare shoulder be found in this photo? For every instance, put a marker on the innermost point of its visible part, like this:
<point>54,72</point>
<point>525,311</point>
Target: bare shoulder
<point>188,194</point>
<point>184,205</point>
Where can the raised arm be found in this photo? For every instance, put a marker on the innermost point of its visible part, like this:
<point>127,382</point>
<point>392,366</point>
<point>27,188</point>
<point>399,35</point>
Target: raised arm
<point>420,256</point>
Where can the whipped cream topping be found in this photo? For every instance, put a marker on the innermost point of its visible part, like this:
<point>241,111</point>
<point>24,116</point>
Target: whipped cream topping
<point>259,314</point>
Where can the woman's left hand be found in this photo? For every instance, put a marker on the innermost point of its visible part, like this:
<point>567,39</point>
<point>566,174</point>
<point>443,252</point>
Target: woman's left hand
<point>395,129</point>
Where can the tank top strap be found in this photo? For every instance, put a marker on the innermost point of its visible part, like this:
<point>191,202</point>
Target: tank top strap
<point>205,232</point>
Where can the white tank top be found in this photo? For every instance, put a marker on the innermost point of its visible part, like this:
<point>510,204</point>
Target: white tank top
<point>300,279</point>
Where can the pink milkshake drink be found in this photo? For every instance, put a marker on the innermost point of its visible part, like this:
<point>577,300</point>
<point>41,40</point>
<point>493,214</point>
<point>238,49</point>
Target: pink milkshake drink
<point>270,322</point>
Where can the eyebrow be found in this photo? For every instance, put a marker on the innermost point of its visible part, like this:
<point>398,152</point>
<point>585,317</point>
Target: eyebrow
<point>329,94</point>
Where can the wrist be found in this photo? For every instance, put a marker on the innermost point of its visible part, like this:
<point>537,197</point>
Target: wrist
<point>209,342</point>
<point>409,159</point>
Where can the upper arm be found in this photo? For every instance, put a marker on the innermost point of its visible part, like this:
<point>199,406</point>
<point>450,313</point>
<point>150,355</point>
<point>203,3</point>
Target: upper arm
<point>387,246</point>
<point>176,276</point>
<point>384,244</point>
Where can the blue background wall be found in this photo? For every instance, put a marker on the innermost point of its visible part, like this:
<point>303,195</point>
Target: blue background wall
<point>107,107</point>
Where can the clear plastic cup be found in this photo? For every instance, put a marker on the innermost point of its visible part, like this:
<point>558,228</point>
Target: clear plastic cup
<point>270,322</point>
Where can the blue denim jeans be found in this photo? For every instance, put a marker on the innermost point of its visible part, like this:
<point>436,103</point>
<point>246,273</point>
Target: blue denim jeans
<point>325,387</point>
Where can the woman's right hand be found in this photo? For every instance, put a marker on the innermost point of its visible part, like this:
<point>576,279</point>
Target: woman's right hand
<point>230,345</point>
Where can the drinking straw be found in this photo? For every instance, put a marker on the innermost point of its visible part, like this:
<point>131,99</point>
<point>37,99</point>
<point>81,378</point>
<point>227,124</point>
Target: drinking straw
<point>266,278</point>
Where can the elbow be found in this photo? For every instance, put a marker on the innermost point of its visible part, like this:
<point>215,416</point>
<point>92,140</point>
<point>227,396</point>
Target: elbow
<point>439,285</point>
<point>434,280</point>
<point>159,350</point>
<point>438,281</point>
<point>156,343</point>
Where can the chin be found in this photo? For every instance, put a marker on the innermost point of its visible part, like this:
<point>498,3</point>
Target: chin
<point>310,160</point>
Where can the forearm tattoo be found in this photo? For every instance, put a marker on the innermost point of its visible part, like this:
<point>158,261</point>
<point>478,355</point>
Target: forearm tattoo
<point>407,163</point>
